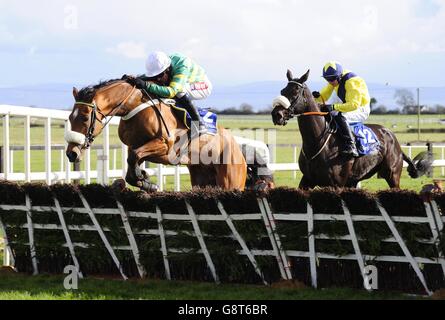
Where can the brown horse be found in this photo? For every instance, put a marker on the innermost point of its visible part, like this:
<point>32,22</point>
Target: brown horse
<point>320,160</point>
<point>153,134</point>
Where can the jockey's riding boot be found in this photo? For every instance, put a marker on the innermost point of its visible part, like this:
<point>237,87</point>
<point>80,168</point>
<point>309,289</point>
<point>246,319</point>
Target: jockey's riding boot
<point>350,149</point>
<point>186,103</point>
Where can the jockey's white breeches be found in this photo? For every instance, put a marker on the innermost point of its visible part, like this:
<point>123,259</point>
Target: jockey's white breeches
<point>359,115</point>
<point>197,90</point>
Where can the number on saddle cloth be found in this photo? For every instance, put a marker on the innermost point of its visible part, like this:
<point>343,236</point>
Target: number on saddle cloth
<point>365,139</point>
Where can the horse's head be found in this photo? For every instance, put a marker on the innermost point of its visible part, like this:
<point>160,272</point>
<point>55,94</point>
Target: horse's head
<point>292,101</point>
<point>92,105</point>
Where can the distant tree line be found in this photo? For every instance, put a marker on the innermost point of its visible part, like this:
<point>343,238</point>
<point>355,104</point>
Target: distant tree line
<point>406,105</point>
<point>244,109</point>
<point>404,99</point>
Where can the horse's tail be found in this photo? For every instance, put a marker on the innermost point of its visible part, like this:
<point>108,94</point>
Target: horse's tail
<point>420,165</point>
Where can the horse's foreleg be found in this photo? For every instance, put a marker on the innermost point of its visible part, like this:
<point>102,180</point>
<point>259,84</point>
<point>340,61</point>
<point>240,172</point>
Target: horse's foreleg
<point>155,149</point>
<point>305,184</point>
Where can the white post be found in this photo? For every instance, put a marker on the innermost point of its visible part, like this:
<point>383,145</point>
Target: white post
<point>32,246</point>
<point>443,158</point>
<point>355,243</point>
<point>62,160</point>
<point>48,150</point>
<point>163,243</point>
<point>295,160</point>
<point>131,239</point>
<point>241,241</point>
<point>124,160</point>
<point>6,248</point>
<point>7,256</point>
<point>403,246</point>
<point>286,262</point>
<point>177,179</point>
<point>272,239</point>
<point>11,161</point>
<point>28,149</point>
<point>88,166</point>
<point>100,166</point>
<point>160,177</point>
<point>106,154</point>
<point>67,162</point>
<point>6,146</point>
<point>312,251</point>
<point>102,236</point>
<point>66,233</point>
<point>201,241</point>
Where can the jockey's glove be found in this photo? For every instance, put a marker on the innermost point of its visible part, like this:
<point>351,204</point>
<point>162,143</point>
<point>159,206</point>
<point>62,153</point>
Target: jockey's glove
<point>327,108</point>
<point>316,94</point>
<point>140,84</point>
<point>137,82</point>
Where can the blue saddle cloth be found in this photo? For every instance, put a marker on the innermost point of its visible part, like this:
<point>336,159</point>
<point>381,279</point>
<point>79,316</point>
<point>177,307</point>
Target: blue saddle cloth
<point>209,118</point>
<point>365,139</point>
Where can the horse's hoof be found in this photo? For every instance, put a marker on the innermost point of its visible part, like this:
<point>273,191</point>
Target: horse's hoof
<point>118,185</point>
<point>140,174</point>
<point>148,186</point>
<point>263,186</point>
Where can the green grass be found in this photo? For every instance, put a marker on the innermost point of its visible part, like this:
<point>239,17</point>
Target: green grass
<point>24,287</point>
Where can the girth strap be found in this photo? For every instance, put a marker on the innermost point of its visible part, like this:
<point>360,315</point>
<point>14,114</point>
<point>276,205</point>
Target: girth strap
<point>146,105</point>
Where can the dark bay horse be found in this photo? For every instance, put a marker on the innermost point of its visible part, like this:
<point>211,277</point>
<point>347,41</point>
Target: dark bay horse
<point>153,134</point>
<point>320,160</point>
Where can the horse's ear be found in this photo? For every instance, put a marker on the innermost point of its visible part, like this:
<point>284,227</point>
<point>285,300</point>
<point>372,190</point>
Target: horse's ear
<point>289,75</point>
<point>75,93</point>
<point>304,78</point>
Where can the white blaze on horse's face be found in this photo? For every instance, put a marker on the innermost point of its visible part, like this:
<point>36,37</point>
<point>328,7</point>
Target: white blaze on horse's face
<point>74,136</point>
<point>75,113</point>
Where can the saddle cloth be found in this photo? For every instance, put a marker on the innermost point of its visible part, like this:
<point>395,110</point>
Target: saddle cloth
<point>209,118</point>
<point>365,139</point>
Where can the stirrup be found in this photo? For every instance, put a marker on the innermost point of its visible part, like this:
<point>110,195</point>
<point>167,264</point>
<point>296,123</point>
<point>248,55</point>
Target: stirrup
<point>202,129</point>
<point>197,131</point>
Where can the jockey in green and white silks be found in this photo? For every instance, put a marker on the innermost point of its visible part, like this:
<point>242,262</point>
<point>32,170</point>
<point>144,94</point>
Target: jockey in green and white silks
<point>354,95</point>
<point>176,76</point>
<point>187,76</point>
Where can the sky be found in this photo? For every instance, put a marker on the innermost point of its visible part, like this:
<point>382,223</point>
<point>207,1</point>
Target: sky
<point>398,42</point>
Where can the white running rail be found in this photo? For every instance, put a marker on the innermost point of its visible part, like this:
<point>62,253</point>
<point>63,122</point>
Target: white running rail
<point>104,172</point>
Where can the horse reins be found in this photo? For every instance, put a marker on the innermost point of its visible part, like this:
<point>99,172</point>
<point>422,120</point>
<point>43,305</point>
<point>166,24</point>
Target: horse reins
<point>158,112</point>
<point>89,137</point>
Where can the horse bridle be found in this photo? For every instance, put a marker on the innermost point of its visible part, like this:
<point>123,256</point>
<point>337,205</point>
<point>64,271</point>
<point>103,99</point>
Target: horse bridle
<point>327,129</point>
<point>297,99</point>
<point>89,137</point>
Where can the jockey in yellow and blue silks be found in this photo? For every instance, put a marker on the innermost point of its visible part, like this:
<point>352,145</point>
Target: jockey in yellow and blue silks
<point>355,107</point>
<point>176,76</point>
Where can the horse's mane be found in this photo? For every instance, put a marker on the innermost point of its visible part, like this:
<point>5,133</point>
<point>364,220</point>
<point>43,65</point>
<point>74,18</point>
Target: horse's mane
<point>87,94</point>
